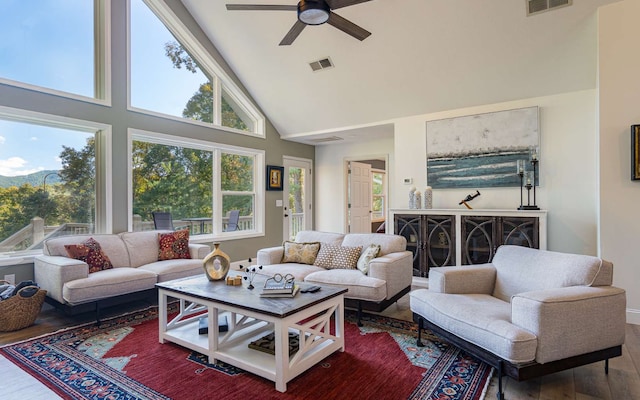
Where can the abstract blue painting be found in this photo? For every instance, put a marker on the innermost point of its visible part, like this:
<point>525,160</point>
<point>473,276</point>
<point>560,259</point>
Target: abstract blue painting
<point>481,150</point>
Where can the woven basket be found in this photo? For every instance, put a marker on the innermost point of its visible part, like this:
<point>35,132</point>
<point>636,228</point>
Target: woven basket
<point>18,312</point>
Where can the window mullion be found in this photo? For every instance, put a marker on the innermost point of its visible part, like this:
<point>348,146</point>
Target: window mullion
<point>217,100</point>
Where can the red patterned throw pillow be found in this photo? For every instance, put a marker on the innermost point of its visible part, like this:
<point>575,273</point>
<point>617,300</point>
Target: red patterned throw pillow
<point>174,245</point>
<point>90,252</point>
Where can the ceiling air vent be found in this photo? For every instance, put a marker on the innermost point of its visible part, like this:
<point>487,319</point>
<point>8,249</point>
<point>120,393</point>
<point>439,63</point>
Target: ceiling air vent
<point>326,139</point>
<point>321,64</point>
<point>538,6</point>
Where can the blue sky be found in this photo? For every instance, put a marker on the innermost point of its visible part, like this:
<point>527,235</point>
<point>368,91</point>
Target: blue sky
<point>52,46</point>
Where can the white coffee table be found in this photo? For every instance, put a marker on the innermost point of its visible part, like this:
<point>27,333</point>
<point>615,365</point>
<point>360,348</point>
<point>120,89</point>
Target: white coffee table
<point>317,319</point>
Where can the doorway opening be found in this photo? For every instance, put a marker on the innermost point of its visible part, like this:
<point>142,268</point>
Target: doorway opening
<point>367,194</point>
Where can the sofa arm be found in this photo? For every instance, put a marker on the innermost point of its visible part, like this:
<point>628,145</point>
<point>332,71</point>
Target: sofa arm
<point>466,279</point>
<point>52,272</point>
<point>270,255</point>
<point>572,320</point>
<point>199,251</point>
<point>396,269</point>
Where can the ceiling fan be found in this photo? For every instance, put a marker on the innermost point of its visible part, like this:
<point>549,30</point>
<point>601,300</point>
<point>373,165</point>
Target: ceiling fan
<point>311,12</point>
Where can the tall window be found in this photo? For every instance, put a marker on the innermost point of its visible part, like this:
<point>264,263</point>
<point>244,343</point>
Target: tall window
<point>52,44</point>
<point>237,174</point>
<point>168,77</point>
<point>48,180</point>
<point>199,183</point>
<point>378,197</point>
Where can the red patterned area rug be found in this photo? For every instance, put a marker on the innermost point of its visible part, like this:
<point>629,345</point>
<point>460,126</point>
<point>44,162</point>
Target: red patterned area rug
<point>122,359</point>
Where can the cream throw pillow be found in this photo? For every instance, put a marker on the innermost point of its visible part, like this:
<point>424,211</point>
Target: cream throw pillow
<point>301,253</point>
<point>368,254</point>
<point>337,257</point>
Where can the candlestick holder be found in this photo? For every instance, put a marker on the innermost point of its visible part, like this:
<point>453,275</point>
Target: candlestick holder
<point>530,177</point>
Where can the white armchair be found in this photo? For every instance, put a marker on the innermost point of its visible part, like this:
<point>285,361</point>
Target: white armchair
<point>528,313</point>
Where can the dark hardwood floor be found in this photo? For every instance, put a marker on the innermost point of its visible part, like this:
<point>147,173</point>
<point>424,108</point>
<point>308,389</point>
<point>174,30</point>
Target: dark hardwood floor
<point>583,383</point>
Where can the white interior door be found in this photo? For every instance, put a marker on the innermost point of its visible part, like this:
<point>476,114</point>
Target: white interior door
<point>297,197</point>
<point>359,197</point>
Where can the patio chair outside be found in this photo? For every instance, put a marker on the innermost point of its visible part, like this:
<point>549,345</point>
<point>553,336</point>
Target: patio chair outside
<point>162,220</point>
<point>232,224</point>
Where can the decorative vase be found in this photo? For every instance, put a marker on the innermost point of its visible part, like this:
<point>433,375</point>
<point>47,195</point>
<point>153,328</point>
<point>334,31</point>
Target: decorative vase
<point>418,203</point>
<point>428,197</point>
<point>412,197</point>
<point>216,264</point>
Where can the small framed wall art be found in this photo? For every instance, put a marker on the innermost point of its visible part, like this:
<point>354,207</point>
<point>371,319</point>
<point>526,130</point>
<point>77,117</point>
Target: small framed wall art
<point>274,177</point>
<point>635,152</point>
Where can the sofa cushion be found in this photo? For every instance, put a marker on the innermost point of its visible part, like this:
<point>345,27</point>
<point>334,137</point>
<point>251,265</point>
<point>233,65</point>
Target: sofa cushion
<point>299,252</point>
<point>111,245</point>
<point>299,271</point>
<point>108,283</point>
<point>368,254</point>
<point>332,256</point>
<point>477,318</point>
<point>317,236</point>
<point>521,269</point>
<point>168,270</point>
<point>360,286</point>
<point>91,253</point>
<point>142,246</point>
<point>388,243</point>
<point>173,245</point>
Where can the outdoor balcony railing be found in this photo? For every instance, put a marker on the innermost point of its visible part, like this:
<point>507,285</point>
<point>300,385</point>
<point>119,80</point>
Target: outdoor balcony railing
<point>31,236</point>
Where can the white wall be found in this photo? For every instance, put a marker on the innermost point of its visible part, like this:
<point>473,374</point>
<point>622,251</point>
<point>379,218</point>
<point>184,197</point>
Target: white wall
<point>330,178</point>
<point>568,170</point>
<point>567,167</point>
<point>619,98</point>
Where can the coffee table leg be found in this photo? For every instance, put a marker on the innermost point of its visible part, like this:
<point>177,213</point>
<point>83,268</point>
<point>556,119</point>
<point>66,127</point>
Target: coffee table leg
<point>162,315</point>
<point>212,316</point>
<point>339,321</point>
<point>282,355</point>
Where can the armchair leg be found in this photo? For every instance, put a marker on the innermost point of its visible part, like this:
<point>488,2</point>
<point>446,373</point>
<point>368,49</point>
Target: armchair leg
<point>606,366</point>
<point>419,342</point>
<point>500,394</point>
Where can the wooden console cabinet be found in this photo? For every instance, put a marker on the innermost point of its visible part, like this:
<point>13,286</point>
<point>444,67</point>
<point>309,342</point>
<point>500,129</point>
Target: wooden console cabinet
<point>461,237</point>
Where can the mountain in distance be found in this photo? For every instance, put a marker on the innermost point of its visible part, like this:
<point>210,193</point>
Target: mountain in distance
<point>35,179</point>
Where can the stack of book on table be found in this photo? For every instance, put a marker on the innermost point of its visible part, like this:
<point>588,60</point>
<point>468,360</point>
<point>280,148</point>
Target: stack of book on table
<point>280,286</point>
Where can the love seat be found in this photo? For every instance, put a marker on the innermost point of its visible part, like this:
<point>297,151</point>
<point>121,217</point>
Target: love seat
<point>136,270</point>
<point>387,278</point>
<point>527,313</point>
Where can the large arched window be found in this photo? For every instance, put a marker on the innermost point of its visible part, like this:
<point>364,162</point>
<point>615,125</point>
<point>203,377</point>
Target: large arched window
<point>172,74</point>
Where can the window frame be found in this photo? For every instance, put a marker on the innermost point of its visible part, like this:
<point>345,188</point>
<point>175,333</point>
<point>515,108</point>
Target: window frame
<point>216,185</point>
<point>102,62</point>
<point>210,67</point>
<point>103,165</point>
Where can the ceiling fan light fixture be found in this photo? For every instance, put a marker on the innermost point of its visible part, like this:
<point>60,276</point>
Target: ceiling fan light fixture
<point>313,12</point>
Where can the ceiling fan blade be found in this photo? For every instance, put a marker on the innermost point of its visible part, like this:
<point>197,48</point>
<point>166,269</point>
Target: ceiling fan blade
<point>293,33</point>
<point>260,7</point>
<point>348,27</point>
<point>335,4</point>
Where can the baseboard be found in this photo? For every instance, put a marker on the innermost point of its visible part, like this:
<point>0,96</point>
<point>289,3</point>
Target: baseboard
<point>633,316</point>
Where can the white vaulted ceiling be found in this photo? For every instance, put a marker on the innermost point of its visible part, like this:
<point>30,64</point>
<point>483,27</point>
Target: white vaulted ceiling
<point>423,56</point>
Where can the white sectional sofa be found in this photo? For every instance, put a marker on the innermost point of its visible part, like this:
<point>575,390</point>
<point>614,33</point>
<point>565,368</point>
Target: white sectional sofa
<point>388,277</point>
<point>135,271</point>
<point>527,313</point>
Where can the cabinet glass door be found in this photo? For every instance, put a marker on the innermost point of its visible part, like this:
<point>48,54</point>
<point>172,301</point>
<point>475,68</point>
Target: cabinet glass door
<point>409,226</point>
<point>478,235</point>
<point>441,241</point>
<point>520,231</point>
